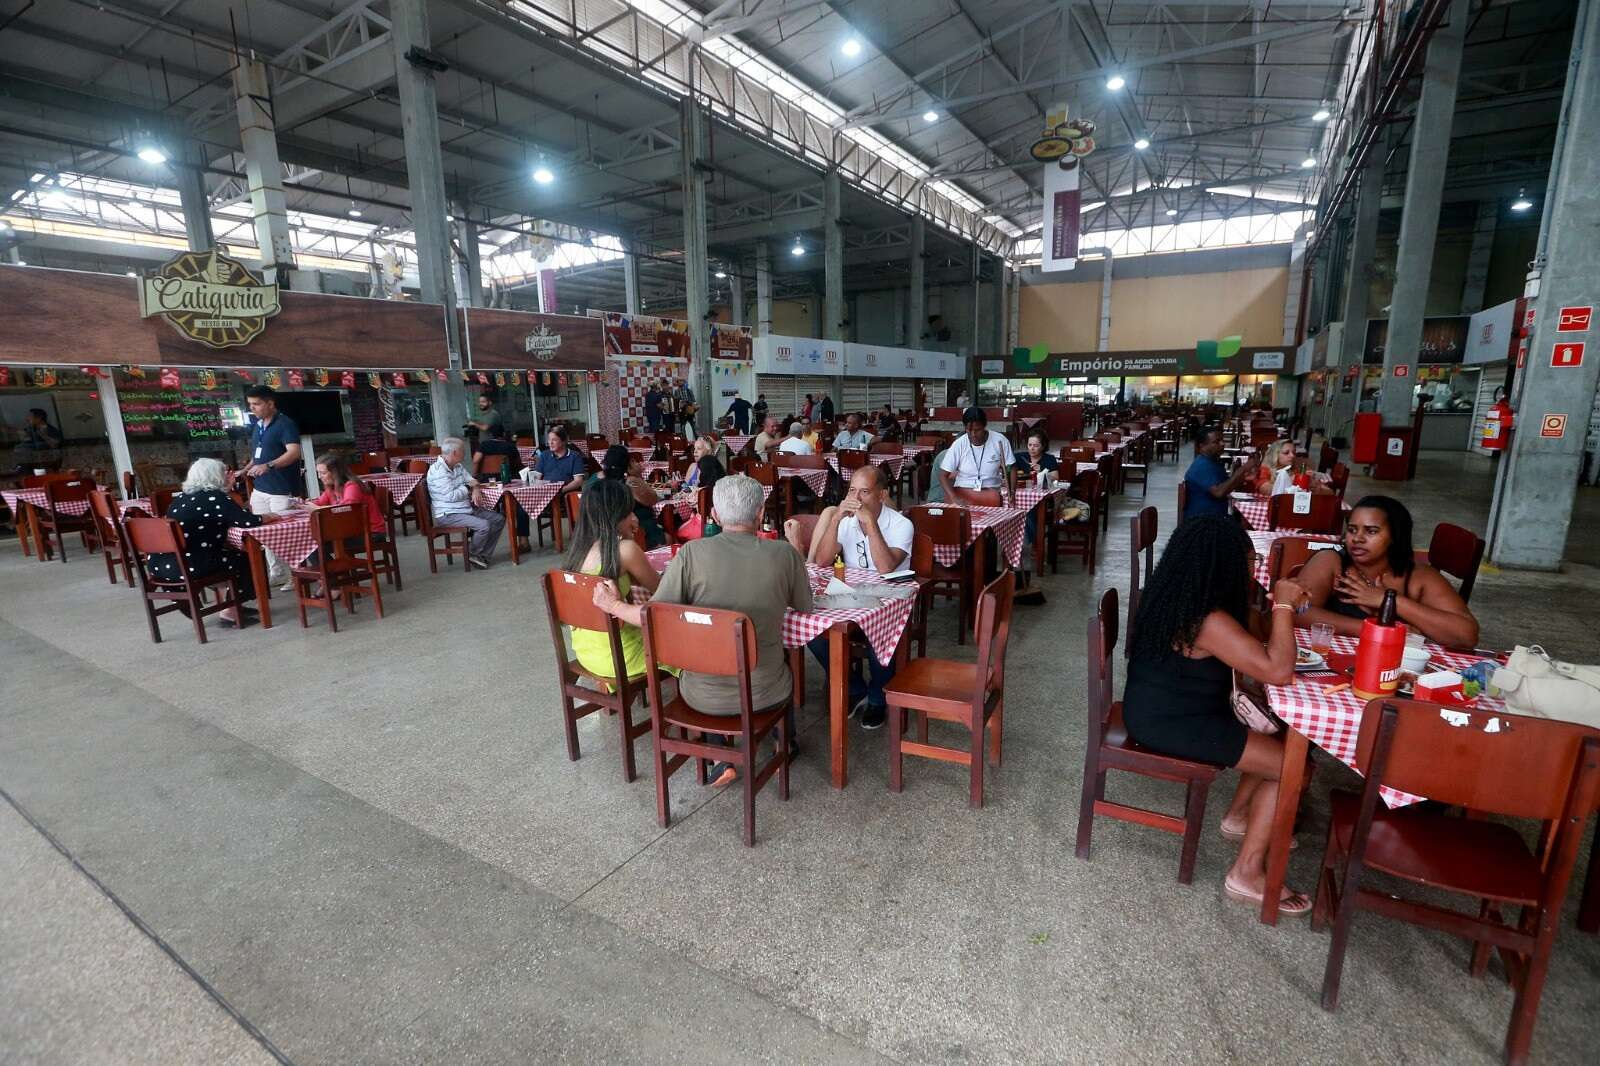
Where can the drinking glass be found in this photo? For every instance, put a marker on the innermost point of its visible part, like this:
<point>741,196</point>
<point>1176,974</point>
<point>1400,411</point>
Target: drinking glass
<point>1322,638</point>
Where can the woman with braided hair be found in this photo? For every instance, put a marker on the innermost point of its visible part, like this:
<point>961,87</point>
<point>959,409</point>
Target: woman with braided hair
<point>1189,637</point>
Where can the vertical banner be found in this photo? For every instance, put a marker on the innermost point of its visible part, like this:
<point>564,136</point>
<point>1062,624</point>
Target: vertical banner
<point>1062,208</point>
<point>547,291</point>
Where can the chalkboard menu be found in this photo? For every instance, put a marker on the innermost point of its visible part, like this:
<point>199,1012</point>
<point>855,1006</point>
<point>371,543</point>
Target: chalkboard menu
<point>191,413</point>
<point>366,419</point>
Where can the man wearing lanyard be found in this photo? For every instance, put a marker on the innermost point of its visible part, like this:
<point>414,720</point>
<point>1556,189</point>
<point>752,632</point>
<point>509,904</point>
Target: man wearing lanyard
<point>979,462</point>
<point>274,463</point>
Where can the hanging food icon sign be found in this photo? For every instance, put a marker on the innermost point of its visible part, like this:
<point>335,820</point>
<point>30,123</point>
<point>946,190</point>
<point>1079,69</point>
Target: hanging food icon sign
<point>1064,140</point>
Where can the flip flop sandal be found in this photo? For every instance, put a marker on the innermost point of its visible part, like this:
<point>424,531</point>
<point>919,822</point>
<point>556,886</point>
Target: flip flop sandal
<point>1237,835</point>
<point>1294,905</point>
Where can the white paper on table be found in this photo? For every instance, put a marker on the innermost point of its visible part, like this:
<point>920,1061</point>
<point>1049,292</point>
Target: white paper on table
<point>837,588</point>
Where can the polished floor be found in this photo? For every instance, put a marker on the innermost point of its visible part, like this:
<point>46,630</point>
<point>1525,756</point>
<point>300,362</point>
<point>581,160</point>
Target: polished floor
<point>369,847</point>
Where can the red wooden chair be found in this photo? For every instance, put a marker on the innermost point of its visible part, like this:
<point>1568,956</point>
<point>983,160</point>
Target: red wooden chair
<point>109,532</point>
<point>1110,748</point>
<point>1339,479</point>
<point>1136,467</point>
<point>1327,458</point>
<point>153,536</point>
<point>455,538</point>
<point>1326,514</point>
<point>1456,551</point>
<point>1079,536</point>
<point>386,553</point>
<point>1183,499</point>
<point>1142,540</point>
<point>338,568</point>
<point>569,601</point>
<point>793,487</point>
<point>1489,762</point>
<point>971,694</point>
<point>947,526</point>
<point>1286,556</point>
<point>720,643</point>
<point>55,522</point>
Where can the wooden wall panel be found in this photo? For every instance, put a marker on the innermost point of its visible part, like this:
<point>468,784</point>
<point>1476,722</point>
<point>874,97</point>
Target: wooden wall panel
<point>496,339</point>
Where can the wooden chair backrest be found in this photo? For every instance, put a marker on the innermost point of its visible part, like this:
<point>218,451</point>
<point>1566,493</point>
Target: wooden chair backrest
<point>1086,487</point>
<point>1456,551</point>
<point>992,633</point>
<point>1142,529</point>
<point>107,519</point>
<point>1102,642</point>
<point>851,459</point>
<point>161,499</point>
<point>921,561</point>
<point>490,465</point>
<point>386,504</point>
<point>1324,517</point>
<point>701,640</point>
<point>1327,458</point>
<point>681,464</point>
<point>332,526</point>
<point>801,462</point>
<point>152,536</point>
<point>569,600</point>
<point>806,526</point>
<point>1487,761</point>
<point>417,466</point>
<point>1183,499</point>
<point>1339,479</point>
<point>942,524</point>
<point>1286,556</point>
<point>424,503</point>
<point>764,473</point>
<point>885,448</point>
<point>378,461</point>
<point>597,442</point>
<point>572,502</point>
<point>67,490</point>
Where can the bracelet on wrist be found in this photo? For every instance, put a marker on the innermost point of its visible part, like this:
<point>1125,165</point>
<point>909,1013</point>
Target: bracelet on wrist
<point>1283,607</point>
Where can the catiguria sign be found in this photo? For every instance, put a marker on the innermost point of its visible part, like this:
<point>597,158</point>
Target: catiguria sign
<point>209,298</point>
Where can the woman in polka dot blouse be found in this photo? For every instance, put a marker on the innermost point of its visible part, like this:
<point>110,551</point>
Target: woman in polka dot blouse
<point>206,512</point>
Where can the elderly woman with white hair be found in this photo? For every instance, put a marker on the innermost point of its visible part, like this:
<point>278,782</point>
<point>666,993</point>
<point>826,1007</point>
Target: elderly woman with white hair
<point>206,512</point>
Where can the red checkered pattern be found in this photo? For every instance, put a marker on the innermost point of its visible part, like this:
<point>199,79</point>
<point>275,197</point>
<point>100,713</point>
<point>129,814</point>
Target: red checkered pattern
<point>816,480</point>
<point>737,441</point>
<point>1262,540</point>
<point>534,497</point>
<point>141,502</point>
<point>289,538</point>
<point>882,625</point>
<point>893,462</point>
<point>685,503</point>
<point>633,381</point>
<point>36,498</point>
<point>397,462</point>
<point>1029,498</point>
<point>651,468</point>
<point>914,450</point>
<point>400,486</point>
<point>1253,508</point>
<point>1332,720</point>
<point>528,455</point>
<point>1008,523</point>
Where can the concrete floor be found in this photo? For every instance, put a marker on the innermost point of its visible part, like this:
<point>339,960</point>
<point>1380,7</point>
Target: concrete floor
<point>370,847</point>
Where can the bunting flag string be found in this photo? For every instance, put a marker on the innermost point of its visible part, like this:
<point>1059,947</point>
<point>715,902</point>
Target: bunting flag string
<point>347,379</point>
<point>297,379</point>
<point>320,377</point>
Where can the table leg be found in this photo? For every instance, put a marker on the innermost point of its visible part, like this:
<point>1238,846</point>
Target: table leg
<point>980,574</point>
<point>555,521</point>
<point>838,696</point>
<point>508,503</point>
<point>1291,779</point>
<point>1039,513</point>
<point>258,575</point>
<point>41,547</point>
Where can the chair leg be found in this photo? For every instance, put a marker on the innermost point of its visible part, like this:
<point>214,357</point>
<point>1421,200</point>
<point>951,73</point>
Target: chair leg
<point>569,722</point>
<point>663,800</point>
<point>748,779</point>
<point>922,727</point>
<point>975,769</point>
<point>1093,782</point>
<point>377,592</point>
<point>1525,1009</point>
<point>1341,936</point>
<point>1194,815</point>
<point>896,726</point>
<point>625,722</point>
<point>996,727</point>
<point>194,611</point>
<point>784,742</point>
<point>150,614</point>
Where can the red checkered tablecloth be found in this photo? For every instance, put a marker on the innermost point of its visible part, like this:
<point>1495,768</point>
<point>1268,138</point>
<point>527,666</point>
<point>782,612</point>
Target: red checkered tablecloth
<point>36,497</point>
<point>1262,540</point>
<point>533,497</point>
<point>1332,720</point>
<point>400,486</point>
<point>685,503</point>
<point>288,538</point>
<point>882,624</point>
<point>396,462</point>
<point>1029,498</point>
<point>893,462</point>
<point>1253,508</point>
<point>737,441</point>
<point>529,456</point>
<point>913,450</point>
<point>816,480</point>
<point>653,467</point>
<point>1008,523</point>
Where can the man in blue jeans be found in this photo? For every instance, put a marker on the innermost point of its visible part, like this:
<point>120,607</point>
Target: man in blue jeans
<point>867,534</point>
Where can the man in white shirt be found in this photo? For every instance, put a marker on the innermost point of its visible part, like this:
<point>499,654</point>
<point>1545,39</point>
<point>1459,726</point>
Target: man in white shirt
<point>867,534</point>
<point>979,462</point>
<point>457,500</point>
<point>796,442</point>
<point>853,436</point>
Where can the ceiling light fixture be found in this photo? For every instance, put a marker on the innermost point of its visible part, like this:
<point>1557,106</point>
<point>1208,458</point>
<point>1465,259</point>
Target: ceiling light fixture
<point>721,274</point>
<point>1116,82</point>
<point>133,273</point>
<point>930,116</point>
<point>354,212</point>
<point>1322,115</point>
<point>798,249</point>
<point>1172,212</point>
<point>152,155</point>
<point>1521,203</point>
<point>851,46</point>
<point>1308,162</point>
<point>543,175</point>
<point>1141,144</point>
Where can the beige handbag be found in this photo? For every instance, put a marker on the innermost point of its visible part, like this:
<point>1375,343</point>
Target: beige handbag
<point>1534,683</point>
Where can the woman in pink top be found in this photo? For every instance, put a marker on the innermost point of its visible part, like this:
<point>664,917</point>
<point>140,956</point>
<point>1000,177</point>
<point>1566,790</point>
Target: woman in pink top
<point>339,485</point>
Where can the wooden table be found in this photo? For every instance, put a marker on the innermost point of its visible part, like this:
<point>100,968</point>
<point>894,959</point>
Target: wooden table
<point>534,498</point>
<point>288,534</point>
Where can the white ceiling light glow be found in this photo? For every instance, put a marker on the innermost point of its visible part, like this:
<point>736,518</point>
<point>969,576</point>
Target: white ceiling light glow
<point>798,249</point>
<point>721,274</point>
<point>1521,203</point>
<point>1322,115</point>
<point>1141,144</point>
<point>152,155</point>
<point>1116,82</point>
<point>543,175</point>
<point>1308,162</point>
<point>851,47</point>
<point>930,116</point>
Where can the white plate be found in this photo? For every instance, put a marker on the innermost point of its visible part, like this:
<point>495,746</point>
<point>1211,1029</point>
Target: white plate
<point>1316,662</point>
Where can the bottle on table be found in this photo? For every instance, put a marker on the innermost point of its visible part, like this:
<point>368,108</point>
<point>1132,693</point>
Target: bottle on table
<point>1381,649</point>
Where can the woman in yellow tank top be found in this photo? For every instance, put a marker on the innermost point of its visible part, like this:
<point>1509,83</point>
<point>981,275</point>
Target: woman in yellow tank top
<point>603,544</point>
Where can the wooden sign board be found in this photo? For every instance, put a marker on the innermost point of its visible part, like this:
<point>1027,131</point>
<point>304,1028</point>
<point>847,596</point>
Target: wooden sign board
<point>496,339</point>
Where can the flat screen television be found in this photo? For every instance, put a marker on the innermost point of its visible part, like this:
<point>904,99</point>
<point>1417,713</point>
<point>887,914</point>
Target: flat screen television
<point>314,410</point>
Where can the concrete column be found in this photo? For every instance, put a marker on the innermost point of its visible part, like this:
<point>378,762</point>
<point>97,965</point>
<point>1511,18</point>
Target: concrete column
<point>917,297</point>
<point>258,137</point>
<point>998,299</point>
<point>472,290</point>
<point>194,199</point>
<point>630,279</point>
<point>763,289</point>
<point>736,295</point>
<point>1538,476</point>
<point>1478,258</point>
<point>116,432</point>
<point>1014,312</point>
<point>1297,277</point>
<point>833,313</point>
<point>1103,334</point>
<point>1419,216</point>
<point>692,130</point>
<point>419,123</point>
<point>1353,313</point>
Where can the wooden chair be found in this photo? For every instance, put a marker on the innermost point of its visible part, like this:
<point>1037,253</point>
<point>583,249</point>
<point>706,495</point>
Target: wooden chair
<point>337,568</point>
<point>386,553</point>
<point>1458,552</point>
<point>793,487</point>
<point>1339,479</point>
<point>804,527</point>
<point>55,523</point>
<point>1137,467</point>
<point>1079,537</point>
<point>850,460</point>
<point>569,601</point>
<point>971,694</point>
<point>377,461</point>
<point>720,643</point>
<point>921,564</point>
<point>108,531</point>
<point>1327,458</point>
<point>1183,499</point>
<point>1287,555</point>
<point>1166,443</point>
<point>1325,516</point>
<point>405,512</point>
<point>1142,540</point>
<point>455,538</point>
<point>1110,748</point>
<point>152,536</point>
<point>1489,762</point>
<point>765,474</point>
<point>597,442</point>
<point>161,498</point>
<point>949,527</point>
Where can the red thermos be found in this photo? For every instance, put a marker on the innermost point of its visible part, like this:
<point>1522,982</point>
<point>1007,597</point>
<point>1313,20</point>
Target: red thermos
<point>1378,655</point>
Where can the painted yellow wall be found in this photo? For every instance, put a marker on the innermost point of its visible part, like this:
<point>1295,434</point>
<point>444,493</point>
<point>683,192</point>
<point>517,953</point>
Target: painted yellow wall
<point>1161,312</point>
<point>791,318</point>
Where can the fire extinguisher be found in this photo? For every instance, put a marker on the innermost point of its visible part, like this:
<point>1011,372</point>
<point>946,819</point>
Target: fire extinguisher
<point>1497,423</point>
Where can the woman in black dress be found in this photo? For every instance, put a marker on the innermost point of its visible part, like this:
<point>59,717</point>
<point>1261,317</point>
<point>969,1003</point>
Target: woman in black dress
<point>1189,637</point>
<point>206,512</point>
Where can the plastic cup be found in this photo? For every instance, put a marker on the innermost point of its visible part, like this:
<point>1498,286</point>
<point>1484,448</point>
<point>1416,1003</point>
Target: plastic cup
<point>1322,638</point>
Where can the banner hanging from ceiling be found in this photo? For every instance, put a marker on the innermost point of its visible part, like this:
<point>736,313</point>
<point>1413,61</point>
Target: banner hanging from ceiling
<point>1064,143</point>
